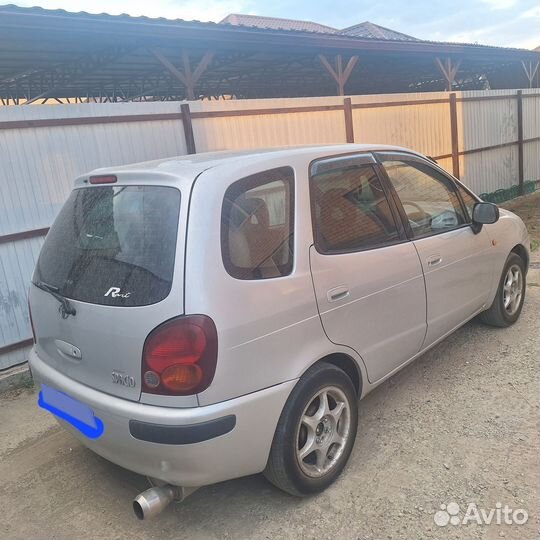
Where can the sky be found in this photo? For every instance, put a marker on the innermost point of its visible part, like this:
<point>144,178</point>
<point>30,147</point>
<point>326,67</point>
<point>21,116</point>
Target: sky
<point>507,23</point>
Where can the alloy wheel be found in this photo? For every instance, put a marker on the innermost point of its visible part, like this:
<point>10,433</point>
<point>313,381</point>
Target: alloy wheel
<point>512,289</point>
<point>323,432</point>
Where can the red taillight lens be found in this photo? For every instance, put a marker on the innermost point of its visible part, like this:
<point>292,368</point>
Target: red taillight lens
<point>103,179</point>
<point>179,356</point>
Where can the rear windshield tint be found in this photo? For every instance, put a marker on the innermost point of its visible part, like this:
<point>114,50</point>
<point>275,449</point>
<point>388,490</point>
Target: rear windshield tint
<point>113,246</point>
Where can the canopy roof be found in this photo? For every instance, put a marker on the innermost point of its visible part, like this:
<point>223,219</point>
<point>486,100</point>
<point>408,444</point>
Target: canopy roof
<point>53,54</point>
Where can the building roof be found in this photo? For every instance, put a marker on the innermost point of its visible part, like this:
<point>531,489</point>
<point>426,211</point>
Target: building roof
<point>370,30</point>
<point>49,54</point>
<point>276,23</point>
<point>365,29</point>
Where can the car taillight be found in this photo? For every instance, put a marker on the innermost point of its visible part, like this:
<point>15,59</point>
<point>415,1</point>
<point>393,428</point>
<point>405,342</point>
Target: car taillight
<point>103,179</point>
<point>179,356</point>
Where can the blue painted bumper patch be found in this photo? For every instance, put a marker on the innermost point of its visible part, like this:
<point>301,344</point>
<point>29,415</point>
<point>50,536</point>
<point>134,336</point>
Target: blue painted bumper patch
<point>71,410</point>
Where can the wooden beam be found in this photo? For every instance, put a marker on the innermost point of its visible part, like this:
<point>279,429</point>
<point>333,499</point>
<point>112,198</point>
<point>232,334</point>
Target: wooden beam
<point>328,67</point>
<point>190,86</point>
<point>520,141</point>
<point>202,66</point>
<point>187,77</point>
<point>454,135</point>
<point>349,127</point>
<point>339,74</point>
<point>449,70</point>
<point>530,71</point>
<point>176,72</point>
<point>349,67</point>
<point>188,128</point>
<point>24,235</point>
<point>16,346</point>
<point>87,120</point>
<point>339,66</point>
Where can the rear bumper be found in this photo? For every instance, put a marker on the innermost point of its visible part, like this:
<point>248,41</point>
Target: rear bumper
<point>187,447</point>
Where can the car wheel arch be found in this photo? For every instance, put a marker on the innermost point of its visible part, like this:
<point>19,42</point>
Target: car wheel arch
<point>521,251</point>
<point>346,363</point>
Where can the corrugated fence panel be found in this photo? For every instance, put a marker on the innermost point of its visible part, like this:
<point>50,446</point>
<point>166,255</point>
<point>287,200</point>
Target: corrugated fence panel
<point>17,261</point>
<point>425,127</point>
<point>38,164</point>
<point>488,123</point>
<point>485,172</point>
<point>268,130</point>
<point>14,358</point>
<point>531,113</point>
<point>531,130</point>
<point>531,161</point>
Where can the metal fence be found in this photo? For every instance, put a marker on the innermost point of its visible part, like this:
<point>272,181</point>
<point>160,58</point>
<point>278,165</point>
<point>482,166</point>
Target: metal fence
<point>490,139</point>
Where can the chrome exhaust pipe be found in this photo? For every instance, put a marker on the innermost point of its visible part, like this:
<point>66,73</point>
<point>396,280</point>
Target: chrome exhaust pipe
<point>154,500</point>
<point>151,502</point>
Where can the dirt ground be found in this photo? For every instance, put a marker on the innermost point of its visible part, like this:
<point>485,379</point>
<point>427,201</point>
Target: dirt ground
<point>528,209</point>
<point>460,425</point>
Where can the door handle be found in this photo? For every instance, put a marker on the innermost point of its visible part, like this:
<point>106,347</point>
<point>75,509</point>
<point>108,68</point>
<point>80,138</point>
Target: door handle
<point>337,293</point>
<point>67,350</point>
<point>434,260</point>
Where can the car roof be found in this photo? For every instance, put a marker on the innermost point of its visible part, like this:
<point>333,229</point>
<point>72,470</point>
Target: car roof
<point>196,163</point>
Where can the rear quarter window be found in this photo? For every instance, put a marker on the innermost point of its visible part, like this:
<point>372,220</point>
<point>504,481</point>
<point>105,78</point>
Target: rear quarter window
<point>113,245</point>
<point>257,225</point>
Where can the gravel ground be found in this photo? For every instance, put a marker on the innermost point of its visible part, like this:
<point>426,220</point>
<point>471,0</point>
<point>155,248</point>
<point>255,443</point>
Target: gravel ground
<point>459,425</point>
<point>528,209</point>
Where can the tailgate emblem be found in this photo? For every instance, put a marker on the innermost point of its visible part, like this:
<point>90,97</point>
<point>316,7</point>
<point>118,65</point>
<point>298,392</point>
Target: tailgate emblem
<point>124,380</point>
<point>116,292</point>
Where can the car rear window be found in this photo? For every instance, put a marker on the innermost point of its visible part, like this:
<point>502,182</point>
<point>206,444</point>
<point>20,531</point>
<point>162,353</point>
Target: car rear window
<point>113,245</point>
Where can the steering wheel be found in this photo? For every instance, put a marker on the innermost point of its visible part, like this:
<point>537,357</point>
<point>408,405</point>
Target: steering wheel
<point>414,205</point>
<point>423,215</point>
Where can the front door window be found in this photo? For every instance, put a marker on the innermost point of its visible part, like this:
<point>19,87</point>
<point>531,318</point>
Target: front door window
<point>429,198</point>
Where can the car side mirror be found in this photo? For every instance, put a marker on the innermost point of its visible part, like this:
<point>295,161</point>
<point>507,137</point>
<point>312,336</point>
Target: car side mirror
<point>484,213</point>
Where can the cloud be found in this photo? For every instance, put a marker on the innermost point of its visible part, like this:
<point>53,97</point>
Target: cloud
<point>533,13</point>
<point>500,4</point>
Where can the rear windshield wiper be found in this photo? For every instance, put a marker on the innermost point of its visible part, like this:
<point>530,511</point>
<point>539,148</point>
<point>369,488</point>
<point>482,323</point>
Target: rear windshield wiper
<point>66,308</point>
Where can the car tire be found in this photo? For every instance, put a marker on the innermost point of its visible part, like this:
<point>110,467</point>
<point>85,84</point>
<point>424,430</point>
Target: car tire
<point>307,423</point>
<point>508,302</point>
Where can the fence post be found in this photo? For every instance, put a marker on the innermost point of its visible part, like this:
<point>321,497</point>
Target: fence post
<point>349,128</point>
<point>521,173</point>
<point>188,128</point>
<point>454,134</point>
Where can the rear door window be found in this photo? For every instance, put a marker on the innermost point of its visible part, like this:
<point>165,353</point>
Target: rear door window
<point>113,245</point>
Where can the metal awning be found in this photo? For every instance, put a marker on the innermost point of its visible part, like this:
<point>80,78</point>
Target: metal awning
<point>53,54</point>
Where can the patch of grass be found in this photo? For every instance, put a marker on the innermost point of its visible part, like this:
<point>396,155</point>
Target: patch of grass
<point>535,244</point>
<point>27,382</point>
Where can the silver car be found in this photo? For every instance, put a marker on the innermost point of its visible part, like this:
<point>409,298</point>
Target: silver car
<point>206,317</point>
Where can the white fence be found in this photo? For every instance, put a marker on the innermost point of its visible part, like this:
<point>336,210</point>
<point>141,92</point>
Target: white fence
<point>43,148</point>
